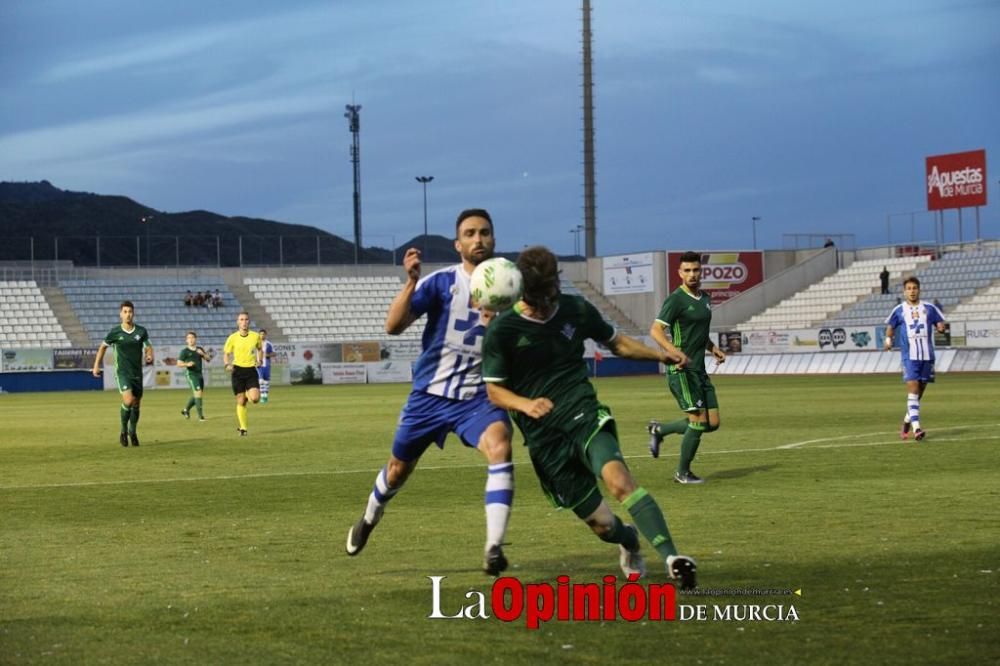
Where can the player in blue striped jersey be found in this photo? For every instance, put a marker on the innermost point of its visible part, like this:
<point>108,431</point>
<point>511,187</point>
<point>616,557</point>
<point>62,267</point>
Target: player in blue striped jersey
<point>448,392</point>
<point>915,321</point>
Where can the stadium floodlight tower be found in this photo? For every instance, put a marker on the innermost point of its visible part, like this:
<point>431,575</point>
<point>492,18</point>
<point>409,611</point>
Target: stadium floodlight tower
<point>423,180</point>
<point>353,116</point>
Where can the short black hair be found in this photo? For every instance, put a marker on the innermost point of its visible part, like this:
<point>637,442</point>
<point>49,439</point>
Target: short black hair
<point>191,333</point>
<point>472,212</point>
<point>914,279</point>
<point>263,330</point>
<point>690,257</point>
<point>126,304</point>
<point>540,276</point>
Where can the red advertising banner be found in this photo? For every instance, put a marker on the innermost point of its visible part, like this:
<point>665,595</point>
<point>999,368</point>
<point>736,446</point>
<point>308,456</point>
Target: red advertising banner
<point>957,180</point>
<point>723,274</point>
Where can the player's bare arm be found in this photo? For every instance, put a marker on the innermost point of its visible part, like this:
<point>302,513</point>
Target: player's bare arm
<point>628,347</point>
<point>99,361</point>
<point>660,338</point>
<point>399,316</point>
<point>504,398</point>
<point>149,354</point>
<point>714,350</point>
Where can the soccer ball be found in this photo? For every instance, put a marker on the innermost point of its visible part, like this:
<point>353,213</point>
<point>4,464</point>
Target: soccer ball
<point>496,284</point>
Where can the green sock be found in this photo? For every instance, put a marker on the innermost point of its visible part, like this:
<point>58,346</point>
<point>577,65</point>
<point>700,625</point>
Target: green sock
<point>689,447</point>
<point>133,420</point>
<point>192,401</point>
<point>124,413</point>
<point>650,521</point>
<point>621,534</point>
<point>197,402</point>
<point>673,428</point>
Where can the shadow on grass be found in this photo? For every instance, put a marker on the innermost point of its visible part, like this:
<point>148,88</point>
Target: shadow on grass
<point>740,472</point>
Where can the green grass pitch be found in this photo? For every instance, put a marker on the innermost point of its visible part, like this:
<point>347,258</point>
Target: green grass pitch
<point>200,547</point>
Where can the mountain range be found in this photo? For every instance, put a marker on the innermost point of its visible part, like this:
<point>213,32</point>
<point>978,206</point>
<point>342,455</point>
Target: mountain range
<point>39,220</point>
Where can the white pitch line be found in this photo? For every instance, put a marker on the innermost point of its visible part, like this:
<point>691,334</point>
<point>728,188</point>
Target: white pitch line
<point>834,443</point>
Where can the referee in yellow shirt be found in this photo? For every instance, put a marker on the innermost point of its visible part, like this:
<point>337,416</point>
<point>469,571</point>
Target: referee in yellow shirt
<point>243,352</point>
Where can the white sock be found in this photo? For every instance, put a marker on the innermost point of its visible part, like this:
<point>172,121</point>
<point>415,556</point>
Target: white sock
<point>913,408</point>
<point>379,497</point>
<point>499,498</point>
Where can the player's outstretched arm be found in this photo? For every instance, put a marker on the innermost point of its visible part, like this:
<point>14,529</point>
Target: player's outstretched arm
<point>504,398</point>
<point>399,317</point>
<point>628,347</point>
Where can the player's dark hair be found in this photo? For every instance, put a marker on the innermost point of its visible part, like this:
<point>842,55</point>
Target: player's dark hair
<point>690,257</point>
<point>472,212</point>
<point>912,279</point>
<point>126,304</point>
<point>540,276</point>
<point>263,330</point>
<point>191,333</point>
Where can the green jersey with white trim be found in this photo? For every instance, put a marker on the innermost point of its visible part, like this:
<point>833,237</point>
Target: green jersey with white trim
<point>189,355</point>
<point>128,346</point>
<point>544,359</point>
<point>688,320</point>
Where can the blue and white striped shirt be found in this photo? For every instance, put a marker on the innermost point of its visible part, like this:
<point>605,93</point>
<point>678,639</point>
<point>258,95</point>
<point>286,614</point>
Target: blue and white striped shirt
<point>450,364</point>
<point>917,322</point>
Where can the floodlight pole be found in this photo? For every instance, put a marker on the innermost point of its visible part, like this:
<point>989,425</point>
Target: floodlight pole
<point>423,180</point>
<point>354,121</point>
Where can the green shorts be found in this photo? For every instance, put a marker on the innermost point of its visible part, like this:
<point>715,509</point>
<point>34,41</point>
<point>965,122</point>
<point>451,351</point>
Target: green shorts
<point>126,382</point>
<point>568,470</point>
<point>693,390</point>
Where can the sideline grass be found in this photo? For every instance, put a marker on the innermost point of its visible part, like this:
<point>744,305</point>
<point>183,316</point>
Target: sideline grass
<point>200,547</point>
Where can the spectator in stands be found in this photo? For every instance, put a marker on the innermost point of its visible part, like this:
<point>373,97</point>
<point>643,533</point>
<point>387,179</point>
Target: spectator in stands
<point>189,298</point>
<point>131,343</point>
<point>199,300</point>
<point>884,279</point>
<point>216,299</point>
<point>208,298</point>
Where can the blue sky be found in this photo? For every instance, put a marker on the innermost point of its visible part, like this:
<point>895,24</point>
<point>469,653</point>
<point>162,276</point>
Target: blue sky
<point>816,117</point>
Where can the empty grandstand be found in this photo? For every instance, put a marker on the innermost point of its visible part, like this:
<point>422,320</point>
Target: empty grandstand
<point>330,309</point>
<point>825,298</point>
<point>26,320</point>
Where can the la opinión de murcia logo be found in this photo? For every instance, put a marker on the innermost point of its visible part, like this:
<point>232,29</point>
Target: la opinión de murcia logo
<point>960,182</point>
<point>510,600</point>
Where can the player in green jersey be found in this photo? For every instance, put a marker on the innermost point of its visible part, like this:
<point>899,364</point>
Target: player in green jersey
<point>131,343</point>
<point>191,357</point>
<point>687,316</point>
<point>533,367</point>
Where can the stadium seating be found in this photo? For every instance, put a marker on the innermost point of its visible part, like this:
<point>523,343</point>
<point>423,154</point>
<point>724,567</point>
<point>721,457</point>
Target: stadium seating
<point>330,309</point>
<point>821,300</point>
<point>26,319</point>
<point>954,277</point>
<point>159,307</point>
<point>985,305</point>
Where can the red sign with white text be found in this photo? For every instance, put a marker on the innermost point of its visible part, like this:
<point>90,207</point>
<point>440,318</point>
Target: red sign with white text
<point>723,274</point>
<point>957,180</point>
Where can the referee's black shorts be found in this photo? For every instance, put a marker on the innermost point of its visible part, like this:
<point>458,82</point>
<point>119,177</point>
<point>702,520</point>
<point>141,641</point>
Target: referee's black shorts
<point>244,379</point>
